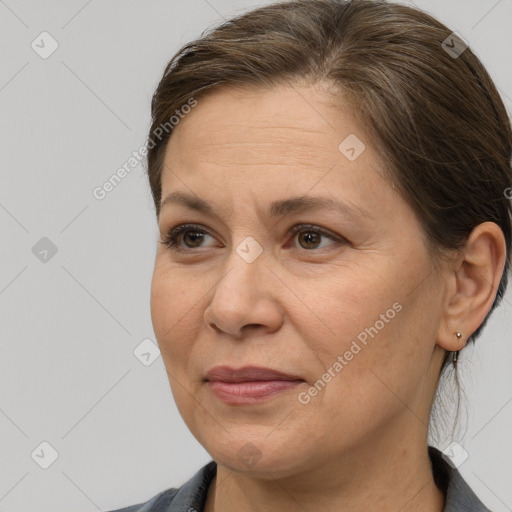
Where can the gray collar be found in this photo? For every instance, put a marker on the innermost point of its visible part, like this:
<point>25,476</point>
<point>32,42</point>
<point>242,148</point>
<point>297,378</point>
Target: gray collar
<point>459,496</point>
<point>191,496</point>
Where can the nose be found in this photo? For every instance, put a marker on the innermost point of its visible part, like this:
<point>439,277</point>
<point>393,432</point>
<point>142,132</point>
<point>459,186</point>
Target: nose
<point>245,298</point>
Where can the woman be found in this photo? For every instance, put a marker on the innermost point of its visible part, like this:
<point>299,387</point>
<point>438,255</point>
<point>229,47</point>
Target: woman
<point>335,224</point>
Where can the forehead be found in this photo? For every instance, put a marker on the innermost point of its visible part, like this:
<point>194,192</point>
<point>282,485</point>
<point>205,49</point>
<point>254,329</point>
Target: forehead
<point>284,139</point>
<point>286,122</point>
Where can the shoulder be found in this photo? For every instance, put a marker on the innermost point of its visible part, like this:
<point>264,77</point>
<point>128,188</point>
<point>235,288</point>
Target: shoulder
<point>190,496</point>
<point>461,497</point>
<point>458,494</point>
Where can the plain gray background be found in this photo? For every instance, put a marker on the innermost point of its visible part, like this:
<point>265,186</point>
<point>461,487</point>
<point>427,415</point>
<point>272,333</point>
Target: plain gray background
<point>70,325</point>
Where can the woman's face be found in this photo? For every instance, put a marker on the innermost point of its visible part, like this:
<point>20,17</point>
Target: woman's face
<point>348,306</point>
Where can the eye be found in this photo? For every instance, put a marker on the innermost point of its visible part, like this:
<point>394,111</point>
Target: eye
<point>184,232</point>
<point>192,235</point>
<point>311,235</point>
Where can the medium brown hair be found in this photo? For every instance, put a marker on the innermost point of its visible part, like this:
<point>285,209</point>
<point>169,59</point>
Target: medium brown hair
<point>437,118</point>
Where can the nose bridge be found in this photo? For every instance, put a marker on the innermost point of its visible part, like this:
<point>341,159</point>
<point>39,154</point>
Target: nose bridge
<point>248,233</point>
<point>244,265</point>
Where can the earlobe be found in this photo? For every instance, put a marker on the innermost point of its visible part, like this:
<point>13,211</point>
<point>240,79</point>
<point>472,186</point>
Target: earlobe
<point>475,278</point>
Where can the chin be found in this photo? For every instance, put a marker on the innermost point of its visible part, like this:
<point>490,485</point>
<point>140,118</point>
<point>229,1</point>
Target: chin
<point>259,456</point>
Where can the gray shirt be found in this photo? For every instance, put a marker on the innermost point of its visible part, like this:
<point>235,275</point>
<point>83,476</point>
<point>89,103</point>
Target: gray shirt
<point>191,496</point>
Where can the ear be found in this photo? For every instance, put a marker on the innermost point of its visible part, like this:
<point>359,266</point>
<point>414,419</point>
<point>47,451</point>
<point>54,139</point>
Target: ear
<point>472,285</point>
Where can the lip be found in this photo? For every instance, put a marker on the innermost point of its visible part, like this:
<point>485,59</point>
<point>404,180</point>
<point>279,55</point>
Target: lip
<point>250,384</point>
<point>247,374</point>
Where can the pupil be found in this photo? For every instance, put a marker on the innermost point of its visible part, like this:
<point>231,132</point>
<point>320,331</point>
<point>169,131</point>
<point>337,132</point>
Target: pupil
<point>309,237</point>
<point>194,235</point>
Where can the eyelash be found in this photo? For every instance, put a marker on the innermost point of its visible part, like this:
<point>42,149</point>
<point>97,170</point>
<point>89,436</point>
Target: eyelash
<point>171,239</point>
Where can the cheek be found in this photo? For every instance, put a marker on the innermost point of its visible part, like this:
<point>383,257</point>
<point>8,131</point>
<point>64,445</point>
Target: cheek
<point>347,309</point>
<point>388,360</point>
<point>175,323</point>
<point>175,314</point>
<point>373,322</point>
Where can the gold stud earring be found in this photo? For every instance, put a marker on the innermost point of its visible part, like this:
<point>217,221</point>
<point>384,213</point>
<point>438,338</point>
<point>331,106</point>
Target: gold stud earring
<point>456,353</point>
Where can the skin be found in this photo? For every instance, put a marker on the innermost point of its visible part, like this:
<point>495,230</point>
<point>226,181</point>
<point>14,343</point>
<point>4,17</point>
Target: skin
<point>360,444</point>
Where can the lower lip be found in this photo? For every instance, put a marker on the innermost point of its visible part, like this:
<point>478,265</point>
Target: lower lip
<point>250,392</point>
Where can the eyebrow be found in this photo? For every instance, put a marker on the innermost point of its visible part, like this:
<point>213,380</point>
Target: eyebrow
<point>293,205</point>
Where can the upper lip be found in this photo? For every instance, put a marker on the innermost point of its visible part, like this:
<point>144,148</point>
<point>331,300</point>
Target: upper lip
<point>247,374</point>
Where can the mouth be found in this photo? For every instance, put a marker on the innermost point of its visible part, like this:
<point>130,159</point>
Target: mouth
<point>250,384</point>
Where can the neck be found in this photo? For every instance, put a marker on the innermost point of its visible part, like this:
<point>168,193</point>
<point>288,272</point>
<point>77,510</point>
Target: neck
<point>363,480</point>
